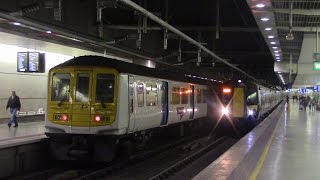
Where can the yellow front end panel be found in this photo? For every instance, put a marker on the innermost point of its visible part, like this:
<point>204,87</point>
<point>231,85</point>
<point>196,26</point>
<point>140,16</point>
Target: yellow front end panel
<point>238,104</point>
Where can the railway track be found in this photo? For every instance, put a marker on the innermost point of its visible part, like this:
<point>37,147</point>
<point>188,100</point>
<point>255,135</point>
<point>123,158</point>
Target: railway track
<point>62,171</point>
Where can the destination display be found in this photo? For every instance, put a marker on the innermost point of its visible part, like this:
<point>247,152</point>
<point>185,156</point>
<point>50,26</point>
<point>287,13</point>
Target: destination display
<point>31,62</point>
<point>22,62</point>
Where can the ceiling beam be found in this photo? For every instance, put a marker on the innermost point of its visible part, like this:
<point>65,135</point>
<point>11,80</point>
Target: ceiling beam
<point>187,28</point>
<point>300,29</point>
<point>305,12</point>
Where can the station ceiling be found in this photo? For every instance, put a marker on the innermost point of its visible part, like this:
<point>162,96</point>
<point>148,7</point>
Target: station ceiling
<point>227,27</point>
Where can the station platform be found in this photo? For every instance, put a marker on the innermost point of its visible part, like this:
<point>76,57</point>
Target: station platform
<point>26,132</point>
<point>286,145</point>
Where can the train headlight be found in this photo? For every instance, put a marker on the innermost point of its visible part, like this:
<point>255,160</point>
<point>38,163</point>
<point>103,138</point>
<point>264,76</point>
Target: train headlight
<point>225,110</point>
<point>250,112</point>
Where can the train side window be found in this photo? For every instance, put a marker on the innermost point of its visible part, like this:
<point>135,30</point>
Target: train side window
<point>205,96</point>
<point>184,96</point>
<point>105,88</point>
<point>199,96</point>
<point>60,87</point>
<point>140,94</point>
<point>151,94</point>
<point>175,95</point>
<point>82,89</point>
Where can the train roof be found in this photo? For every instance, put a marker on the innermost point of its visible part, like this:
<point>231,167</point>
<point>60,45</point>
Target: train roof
<point>124,67</point>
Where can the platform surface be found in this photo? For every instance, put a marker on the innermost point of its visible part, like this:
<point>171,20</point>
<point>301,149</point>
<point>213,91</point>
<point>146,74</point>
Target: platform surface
<point>27,132</point>
<point>295,149</point>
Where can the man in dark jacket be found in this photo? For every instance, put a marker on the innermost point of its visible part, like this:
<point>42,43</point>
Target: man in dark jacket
<point>14,105</point>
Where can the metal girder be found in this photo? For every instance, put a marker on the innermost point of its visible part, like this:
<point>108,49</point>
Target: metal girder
<point>305,12</point>
<point>187,28</point>
<point>300,29</point>
<point>183,36</point>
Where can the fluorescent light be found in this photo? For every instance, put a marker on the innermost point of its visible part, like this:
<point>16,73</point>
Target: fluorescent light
<point>264,19</point>
<point>276,51</point>
<point>49,32</point>
<point>274,47</point>
<point>277,55</point>
<point>270,37</point>
<point>272,42</point>
<point>268,29</point>
<point>278,60</point>
<point>16,23</point>
<point>260,5</point>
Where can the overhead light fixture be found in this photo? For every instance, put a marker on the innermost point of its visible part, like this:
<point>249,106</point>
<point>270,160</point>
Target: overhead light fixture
<point>290,36</point>
<point>16,23</point>
<point>278,60</point>
<point>270,37</point>
<point>264,19</point>
<point>276,51</point>
<point>277,55</point>
<point>48,32</point>
<point>268,29</point>
<point>272,42</point>
<point>260,5</point>
<point>274,47</point>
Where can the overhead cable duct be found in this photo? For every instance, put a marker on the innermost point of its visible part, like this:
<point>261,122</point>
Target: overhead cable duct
<point>100,7</point>
<point>182,35</point>
<point>165,33</point>
<point>290,36</point>
<point>180,51</point>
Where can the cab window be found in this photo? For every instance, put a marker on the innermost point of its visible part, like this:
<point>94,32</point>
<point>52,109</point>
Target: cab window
<point>82,89</point>
<point>60,87</point>
<point>105,88</point>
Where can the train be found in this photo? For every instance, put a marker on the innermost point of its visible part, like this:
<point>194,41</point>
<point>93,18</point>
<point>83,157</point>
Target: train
<point>98,107</point>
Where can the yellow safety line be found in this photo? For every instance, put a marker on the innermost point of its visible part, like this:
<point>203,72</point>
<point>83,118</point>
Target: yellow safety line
<point>263,157</point>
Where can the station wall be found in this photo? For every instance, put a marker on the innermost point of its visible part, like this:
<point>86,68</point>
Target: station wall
<point>30,87</point>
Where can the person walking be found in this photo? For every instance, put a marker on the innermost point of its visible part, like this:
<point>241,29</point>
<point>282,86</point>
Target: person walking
<point>14,106</point>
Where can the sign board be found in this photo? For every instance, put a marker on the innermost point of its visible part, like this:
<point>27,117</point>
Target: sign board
<point>22,62</point>
<point>30,62</point>
<point>316,65</point>
<point>302,90</point>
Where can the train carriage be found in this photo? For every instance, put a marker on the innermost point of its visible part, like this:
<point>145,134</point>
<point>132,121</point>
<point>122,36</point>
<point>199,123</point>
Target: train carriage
<point>92,99</point>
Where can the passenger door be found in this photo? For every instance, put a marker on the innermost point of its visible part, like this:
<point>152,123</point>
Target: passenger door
<point>131,98</point>
<point>192,102</point>
<point>81,106</point>
<point>164,103</point>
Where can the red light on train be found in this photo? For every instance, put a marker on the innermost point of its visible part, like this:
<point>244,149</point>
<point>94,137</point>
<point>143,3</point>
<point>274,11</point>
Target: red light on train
<point>64,117</point>
<point>97,118</point>
<point>226,90</point>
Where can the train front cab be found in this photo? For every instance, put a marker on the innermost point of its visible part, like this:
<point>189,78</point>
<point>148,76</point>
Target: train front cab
<point>81,101</point>
<point>236,106</point>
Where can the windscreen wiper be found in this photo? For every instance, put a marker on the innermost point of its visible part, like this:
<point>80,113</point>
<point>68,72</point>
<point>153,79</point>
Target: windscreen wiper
<point>102,103</point>
<point>64,98</point>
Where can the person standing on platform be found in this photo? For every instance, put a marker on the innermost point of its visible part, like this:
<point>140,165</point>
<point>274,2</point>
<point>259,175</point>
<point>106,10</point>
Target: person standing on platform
<point>14,106</point>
